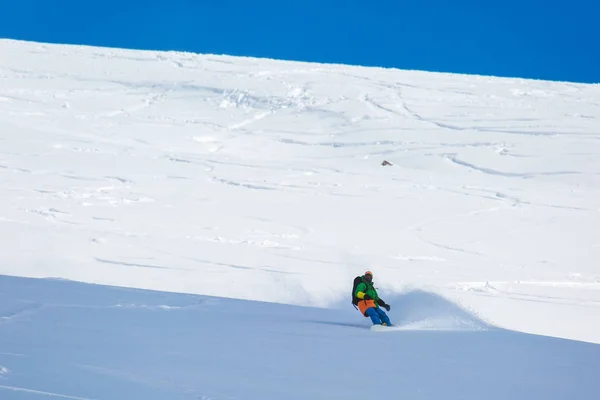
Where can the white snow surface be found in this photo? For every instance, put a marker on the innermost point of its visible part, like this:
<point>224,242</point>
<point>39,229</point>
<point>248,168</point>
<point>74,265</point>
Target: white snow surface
<point>255,190</point>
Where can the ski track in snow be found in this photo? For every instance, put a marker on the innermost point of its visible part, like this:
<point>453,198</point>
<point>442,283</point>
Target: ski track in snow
<point>23,313</point>
<point>491,290</point>
<point>42,393</point>
<point>506,174</point>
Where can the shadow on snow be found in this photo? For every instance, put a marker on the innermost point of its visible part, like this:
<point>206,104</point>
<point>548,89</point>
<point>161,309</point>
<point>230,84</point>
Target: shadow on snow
<point>75,340</point>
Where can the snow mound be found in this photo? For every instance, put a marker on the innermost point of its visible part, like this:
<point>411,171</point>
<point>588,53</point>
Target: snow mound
<point>421,310</point>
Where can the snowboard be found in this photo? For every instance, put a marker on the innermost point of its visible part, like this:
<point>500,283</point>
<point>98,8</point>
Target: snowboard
<point>382,328</point>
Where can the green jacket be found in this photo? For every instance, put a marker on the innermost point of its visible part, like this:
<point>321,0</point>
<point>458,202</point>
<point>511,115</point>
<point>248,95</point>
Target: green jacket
<point>367,288</point>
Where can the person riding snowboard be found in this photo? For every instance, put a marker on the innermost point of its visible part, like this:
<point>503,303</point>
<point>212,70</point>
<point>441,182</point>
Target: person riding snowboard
<point>369,302</point>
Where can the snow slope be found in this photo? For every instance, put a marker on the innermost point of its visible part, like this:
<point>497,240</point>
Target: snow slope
<point>262,180</point>
<point>70,340</point>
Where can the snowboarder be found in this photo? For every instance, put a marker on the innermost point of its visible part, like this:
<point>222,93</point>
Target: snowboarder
<point>368,301</point>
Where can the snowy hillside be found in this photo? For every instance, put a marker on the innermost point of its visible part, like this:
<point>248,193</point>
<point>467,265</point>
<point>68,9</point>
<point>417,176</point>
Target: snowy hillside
<point>76,341</point>
<point>262,180</point>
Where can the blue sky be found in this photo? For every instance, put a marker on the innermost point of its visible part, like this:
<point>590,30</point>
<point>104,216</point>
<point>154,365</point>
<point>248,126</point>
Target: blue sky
<point>540,39</point>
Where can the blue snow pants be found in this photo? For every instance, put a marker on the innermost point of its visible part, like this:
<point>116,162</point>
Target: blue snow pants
<point>378,315</point>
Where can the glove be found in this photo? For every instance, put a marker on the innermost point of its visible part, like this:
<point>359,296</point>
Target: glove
<point>367,297</point>
<point>387,307</point>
